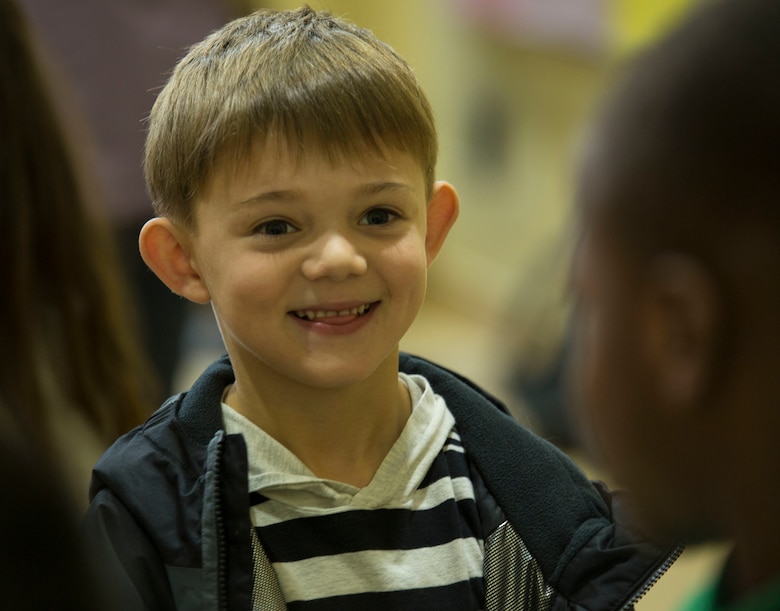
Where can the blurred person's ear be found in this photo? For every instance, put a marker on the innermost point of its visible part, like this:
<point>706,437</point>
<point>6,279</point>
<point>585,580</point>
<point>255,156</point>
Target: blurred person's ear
<point>682,312</point>
<point>443,209</point>
<point>165,248</point>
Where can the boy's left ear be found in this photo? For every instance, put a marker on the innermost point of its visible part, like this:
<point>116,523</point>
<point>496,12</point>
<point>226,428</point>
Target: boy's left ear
<point>443,209</point>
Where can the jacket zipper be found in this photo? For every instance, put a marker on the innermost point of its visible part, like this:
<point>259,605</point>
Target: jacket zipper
<point>220,529</point>
<point>654,577</point>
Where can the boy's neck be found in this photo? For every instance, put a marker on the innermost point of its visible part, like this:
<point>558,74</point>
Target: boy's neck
<point>341,434</point>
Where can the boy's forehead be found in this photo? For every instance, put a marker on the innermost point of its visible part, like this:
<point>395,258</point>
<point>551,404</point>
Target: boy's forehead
<point>291,155</point>
<point>276,162</point>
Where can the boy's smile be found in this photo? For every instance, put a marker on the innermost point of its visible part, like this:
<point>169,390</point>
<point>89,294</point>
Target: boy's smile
<point>336,316</point>
<point>315,269</point>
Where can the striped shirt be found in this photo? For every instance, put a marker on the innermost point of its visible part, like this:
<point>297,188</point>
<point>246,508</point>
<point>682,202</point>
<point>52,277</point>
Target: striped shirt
<point>410,539</point>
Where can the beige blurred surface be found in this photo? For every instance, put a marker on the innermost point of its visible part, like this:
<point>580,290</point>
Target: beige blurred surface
<point>692,571</point>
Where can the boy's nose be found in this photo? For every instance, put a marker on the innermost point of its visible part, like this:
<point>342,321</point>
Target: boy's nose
<point>335,257</point>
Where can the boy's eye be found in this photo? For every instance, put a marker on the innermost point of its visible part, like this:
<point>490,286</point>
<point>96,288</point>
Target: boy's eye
<point>378,216</point>
<point>274,227</point>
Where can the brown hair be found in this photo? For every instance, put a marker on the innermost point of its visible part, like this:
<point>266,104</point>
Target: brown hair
<point>321,83</point>
<point>63,321</point>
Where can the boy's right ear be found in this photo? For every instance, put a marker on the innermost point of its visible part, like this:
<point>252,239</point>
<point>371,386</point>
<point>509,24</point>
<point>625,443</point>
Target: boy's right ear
<point>166,249</point>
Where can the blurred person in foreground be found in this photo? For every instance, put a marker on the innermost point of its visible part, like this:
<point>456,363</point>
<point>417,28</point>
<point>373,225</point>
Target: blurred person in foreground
<point>72,377</point>
<point>677,277</point>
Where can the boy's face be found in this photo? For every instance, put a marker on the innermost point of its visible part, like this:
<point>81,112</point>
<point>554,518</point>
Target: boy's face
<point>315,270</point>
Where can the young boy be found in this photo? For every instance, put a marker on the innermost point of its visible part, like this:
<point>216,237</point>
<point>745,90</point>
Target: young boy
<point>291,160</point>
<point>679,293</point>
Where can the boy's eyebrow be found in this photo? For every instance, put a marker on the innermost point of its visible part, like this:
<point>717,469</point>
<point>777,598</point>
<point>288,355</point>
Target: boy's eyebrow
<point>267,196</point>
<point>375,188</point>
<point>281,195</point>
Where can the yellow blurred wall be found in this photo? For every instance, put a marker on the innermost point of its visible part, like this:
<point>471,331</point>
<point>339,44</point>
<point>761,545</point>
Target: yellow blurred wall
<point>637,22</point>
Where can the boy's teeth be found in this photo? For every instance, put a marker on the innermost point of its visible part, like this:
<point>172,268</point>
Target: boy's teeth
<point>314,314</point>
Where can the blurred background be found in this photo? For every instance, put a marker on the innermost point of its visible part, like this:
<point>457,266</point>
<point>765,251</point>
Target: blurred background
<point>512,84</point>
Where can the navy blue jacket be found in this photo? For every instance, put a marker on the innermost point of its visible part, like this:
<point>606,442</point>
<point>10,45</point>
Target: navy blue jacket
<point>169,519</point>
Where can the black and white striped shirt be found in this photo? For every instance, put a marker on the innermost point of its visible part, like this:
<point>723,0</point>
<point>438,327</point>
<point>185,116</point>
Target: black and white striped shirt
<point>410,539</point>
